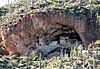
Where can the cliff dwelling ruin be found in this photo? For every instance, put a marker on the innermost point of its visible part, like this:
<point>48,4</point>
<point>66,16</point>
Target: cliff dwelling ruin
<point>21,34</point>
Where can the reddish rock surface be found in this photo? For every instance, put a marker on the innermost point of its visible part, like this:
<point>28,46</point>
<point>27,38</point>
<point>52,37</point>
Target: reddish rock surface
<point>21,38</point>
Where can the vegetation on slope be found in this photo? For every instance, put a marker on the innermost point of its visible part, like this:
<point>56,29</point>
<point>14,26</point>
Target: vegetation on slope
<point>24,7</point>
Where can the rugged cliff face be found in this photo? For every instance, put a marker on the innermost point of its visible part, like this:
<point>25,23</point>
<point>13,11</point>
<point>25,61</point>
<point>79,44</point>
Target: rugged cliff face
<point>21,37</point>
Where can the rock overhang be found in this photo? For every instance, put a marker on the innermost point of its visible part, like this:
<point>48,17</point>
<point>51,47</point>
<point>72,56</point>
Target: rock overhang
<point>25,30</point>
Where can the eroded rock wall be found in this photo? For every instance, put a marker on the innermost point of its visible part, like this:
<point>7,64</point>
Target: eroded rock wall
<point>21,37</point>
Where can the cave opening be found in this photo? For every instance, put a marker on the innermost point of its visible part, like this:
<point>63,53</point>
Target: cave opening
<point>71,34</point>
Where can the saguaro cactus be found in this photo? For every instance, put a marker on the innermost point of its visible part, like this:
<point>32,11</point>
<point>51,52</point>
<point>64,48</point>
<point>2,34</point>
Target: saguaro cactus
<point>15,0</point>
<point>83,63</point>
<point>62,57</point>
<point>9,5</point>
<point>40,60</point>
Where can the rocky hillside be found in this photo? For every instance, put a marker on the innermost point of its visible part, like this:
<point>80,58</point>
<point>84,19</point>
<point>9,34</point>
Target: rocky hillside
<point>48,20</point>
